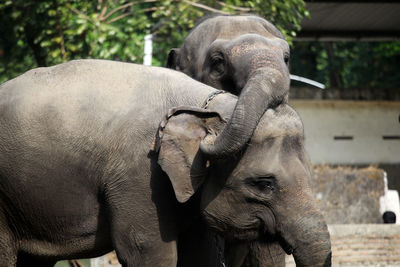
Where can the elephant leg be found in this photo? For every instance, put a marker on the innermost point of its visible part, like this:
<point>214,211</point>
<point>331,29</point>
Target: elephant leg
<point>8,247</point>
<point>140,236</point>
<point>126,247</point>
<point>236,253</point>
<point>130,254</point>
<point>8,253</point>
<point>199,246</point>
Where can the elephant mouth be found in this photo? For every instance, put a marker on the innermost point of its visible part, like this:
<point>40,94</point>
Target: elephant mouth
<point>231,230</point>
<point>286,246</point>
<point>243,235</point>
<point>250,231</point>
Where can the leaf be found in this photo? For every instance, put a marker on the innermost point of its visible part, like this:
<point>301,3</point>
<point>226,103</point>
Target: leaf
<point>55,53</point>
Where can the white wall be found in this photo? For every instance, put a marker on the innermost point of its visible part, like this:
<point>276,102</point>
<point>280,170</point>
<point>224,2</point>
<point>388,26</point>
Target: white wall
<point>366,121</point>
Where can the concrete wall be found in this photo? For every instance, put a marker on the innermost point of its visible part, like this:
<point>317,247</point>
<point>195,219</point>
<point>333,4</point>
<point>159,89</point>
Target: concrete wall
<point>360,94</point>
<point>351,132</point>
<point>349,195</point>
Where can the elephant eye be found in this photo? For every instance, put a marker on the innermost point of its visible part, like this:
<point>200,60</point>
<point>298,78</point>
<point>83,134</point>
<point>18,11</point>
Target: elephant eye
<point>217,65</point>
<point>263,183</point>
<point>286,58</point>
<point>217,57</point>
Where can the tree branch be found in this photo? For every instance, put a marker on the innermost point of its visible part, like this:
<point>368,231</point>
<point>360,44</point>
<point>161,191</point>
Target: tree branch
<point>130,13</point>
<point>103,12</point>
<point>206,7</point>
<point>149,9</point>
<point>99,4</point>
<point>60,32</point>
<point>117,9</point>
<point>244,9</point>
<point>119,17</point>
<point>126,6</point>
<point>80,13</point>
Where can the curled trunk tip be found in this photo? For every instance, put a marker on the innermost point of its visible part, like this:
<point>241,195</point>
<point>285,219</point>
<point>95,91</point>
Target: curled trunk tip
<point>259,94</point>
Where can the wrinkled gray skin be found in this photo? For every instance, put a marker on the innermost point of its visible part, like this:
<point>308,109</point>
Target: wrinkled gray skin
<point>79,176</point>
<point>243,55</point>
<point>239,53</point>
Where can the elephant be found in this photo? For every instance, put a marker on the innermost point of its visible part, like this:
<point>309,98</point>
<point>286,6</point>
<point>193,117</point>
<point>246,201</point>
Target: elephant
<point>242,55</point>
<point>99,155</point>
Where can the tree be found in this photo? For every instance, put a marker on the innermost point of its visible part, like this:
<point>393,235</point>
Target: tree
<point>43,33</point>
<point>346,65</point>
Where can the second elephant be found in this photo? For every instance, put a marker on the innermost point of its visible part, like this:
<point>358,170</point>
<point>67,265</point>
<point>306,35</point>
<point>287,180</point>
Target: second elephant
<point>247,56</point>
<point>243,55</point>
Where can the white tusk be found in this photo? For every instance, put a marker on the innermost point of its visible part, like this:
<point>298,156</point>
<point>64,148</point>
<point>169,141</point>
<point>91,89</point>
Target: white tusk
<point>305,80</point>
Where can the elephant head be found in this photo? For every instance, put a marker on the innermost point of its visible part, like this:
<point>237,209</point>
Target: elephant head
<point>259,193</point>
<point>243,55</point>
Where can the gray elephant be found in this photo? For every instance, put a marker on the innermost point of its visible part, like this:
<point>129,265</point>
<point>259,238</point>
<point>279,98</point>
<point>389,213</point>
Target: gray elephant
<point>90,163</point>
<point>244,55</point>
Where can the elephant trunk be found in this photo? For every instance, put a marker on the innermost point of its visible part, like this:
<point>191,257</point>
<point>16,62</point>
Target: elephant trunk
<point>266,88</point>
<point>310,241</point>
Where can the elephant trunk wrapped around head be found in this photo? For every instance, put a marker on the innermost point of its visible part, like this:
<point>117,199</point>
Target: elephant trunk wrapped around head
<point>225,53</point>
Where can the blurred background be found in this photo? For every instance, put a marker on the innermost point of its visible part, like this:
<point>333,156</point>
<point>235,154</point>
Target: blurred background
<point>352,124</point>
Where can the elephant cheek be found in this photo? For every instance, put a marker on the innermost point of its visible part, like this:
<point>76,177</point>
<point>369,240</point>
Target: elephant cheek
<point>214,220</point>
<point>219,211</point>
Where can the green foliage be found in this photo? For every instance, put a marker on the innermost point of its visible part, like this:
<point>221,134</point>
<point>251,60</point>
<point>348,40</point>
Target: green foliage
<point>43,33</point>
<point>351,65</point>
<point>47,32</point>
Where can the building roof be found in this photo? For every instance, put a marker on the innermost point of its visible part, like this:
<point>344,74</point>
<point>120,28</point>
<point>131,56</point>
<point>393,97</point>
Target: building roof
<point>351,20</point>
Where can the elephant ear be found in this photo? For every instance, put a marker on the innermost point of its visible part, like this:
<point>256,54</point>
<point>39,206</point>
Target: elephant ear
<point>178,140</point>
<point>172,61</point>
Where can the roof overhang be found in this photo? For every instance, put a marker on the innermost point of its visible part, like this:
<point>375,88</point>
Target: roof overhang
<point>351,20</point>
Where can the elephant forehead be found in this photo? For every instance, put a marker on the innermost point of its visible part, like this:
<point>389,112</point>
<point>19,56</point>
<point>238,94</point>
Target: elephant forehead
<point>255,43</point>
<point>229,26</point>
<point>279,122</point>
